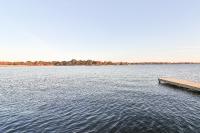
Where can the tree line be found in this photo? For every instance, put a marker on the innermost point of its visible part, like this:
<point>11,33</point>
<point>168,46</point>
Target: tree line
<point>63,63</point>
<point>74,62</point>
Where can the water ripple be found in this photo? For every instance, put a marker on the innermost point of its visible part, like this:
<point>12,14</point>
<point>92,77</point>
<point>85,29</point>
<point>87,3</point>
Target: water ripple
<point>97,99</point>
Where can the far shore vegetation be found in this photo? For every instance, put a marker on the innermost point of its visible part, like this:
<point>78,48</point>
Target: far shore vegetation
<point>74,62</point>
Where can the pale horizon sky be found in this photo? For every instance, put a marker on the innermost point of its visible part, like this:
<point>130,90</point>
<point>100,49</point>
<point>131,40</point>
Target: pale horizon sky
<point>116,30</point>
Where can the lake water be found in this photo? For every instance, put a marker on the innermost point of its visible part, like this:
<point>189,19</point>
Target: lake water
<point>101,99</point>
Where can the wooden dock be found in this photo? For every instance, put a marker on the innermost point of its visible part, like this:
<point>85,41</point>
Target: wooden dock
<point>193,86</point>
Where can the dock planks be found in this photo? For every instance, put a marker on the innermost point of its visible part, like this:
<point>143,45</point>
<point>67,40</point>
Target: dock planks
<point>193,86</point>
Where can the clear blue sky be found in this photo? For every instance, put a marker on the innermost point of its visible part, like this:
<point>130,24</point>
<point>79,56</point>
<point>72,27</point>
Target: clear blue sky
<point>117,30</point>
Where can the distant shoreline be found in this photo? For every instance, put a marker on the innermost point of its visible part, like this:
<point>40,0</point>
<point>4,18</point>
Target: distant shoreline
<point>74,62</point>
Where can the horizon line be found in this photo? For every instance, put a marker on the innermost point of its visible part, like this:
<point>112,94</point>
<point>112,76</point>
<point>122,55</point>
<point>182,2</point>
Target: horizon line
<point>133,62</point>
